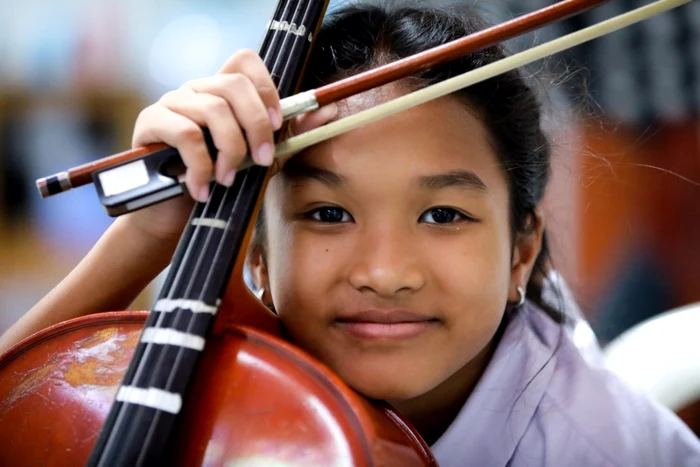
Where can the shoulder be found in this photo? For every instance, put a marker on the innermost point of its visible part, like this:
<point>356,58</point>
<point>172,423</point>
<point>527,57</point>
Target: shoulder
<point>541,403</point>
<point>587,416</point>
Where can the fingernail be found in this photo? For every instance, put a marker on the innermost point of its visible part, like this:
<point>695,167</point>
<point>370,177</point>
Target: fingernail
<point>328,111</point>
<point>203,194</point>
<point>228,178</point>
<point>264,154</point>
<point>275,118</point>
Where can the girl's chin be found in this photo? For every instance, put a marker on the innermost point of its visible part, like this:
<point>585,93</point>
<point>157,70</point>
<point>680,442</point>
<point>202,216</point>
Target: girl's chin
<point>386,393</point>
<point>384,385</point>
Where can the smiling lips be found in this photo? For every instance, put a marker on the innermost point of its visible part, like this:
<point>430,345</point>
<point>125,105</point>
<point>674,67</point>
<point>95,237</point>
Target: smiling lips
<point>383,324</point>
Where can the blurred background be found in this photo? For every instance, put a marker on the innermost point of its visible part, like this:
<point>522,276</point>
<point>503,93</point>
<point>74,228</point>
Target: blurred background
<point>73,77</point>
<point>624,206</point>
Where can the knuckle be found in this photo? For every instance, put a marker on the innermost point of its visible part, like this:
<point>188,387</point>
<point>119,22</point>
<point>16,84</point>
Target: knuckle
<point>240,148</point>
<point>189,84</point>
<point>145,124</point>
<point>238,152</point>
<point>218,106</point>
<point>260,121</point>
<point>247,54</point>
<point>267,90</point>
<point>168,97</point>
<point>226,162</point>
<point>198,162</point>
<point>201,172</point>
<point>202,167</point>
<point>236,81</point>
<point>232,156</point>
<point>235,144</point>
<point>143,117</point>
<point>191,134</point>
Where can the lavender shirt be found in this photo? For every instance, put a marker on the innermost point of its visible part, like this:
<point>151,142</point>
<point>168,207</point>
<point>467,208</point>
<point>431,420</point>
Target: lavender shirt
<point>540,403</point>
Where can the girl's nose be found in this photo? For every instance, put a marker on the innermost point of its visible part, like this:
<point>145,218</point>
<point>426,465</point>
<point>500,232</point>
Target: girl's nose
<point>386,265</point>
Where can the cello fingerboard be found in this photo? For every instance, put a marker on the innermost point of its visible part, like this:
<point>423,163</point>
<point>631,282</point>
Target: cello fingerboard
<point>155,384</point>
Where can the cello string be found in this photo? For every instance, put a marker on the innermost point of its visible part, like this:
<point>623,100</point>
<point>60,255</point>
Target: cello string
<point>219,215</point>
<point>103,444</point>
<point>190,255</point>
<point>251,178</point>
<point>271,43</point>
<point>304,140</point>
<point>212,283</point>
<point>177,361</point>
<point>297,48</point>
<point>291,50</point>
<point>225,215</point>
<point>150,351</point>
<point>129,414</point>
<point>183,356</point>
<point>269,37</point>
<point>279,57</point>
<point>270,40</point>
<point>277,35</point>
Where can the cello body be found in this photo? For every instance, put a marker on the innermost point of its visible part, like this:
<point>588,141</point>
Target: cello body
<point>255,400</point>
<point>207,377</point>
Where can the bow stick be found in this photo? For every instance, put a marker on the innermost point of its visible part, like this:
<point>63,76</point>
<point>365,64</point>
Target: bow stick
<point>310,100</point>
<point>304,140</point>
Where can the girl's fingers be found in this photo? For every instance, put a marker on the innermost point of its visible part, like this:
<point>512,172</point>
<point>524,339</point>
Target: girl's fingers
<point>215,113</point>
<point>249,64</point>
<point>157,123</point>
<point>248,108</point>
<point>310,120</point>
<point>240,107</point>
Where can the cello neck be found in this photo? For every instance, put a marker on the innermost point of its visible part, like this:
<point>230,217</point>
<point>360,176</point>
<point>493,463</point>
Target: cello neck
<point>152,392</point>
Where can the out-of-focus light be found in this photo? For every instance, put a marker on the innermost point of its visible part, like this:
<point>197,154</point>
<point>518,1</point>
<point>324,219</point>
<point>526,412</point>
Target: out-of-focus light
<point>659,356</point>
<point>188,47</point>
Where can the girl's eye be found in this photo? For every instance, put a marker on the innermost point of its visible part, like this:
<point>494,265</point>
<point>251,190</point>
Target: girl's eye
<point>330,214</point>
<point>442,216</point>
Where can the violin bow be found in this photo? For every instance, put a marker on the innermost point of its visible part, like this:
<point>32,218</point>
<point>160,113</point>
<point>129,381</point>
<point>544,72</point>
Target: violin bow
<point>304,140</point>
<point>113,170</point>
<point>311,100</point>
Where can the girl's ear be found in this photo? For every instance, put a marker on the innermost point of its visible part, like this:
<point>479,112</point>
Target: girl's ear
<point>258,270</point>
<point>525,252</point>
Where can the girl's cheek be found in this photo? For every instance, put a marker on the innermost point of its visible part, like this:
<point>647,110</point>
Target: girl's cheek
<point>303,264</point>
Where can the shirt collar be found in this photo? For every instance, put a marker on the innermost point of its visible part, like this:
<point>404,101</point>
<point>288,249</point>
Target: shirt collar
<point>491,423</point>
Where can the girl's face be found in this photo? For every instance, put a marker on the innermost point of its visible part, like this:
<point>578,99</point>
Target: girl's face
<point>389,248</point>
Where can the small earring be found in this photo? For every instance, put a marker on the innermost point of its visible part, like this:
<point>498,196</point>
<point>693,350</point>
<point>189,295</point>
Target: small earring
<point>260,292</point>
<point>521,293</point>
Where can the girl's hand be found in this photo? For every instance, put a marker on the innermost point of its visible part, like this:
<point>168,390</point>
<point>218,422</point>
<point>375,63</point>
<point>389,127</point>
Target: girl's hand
<point>239,100</point>
<point>241,108</point>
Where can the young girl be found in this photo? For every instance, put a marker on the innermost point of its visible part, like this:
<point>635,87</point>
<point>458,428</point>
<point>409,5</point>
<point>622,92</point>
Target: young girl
<point>409,255</point>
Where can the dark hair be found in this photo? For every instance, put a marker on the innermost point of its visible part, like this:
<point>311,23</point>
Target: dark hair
<point>359,37</point>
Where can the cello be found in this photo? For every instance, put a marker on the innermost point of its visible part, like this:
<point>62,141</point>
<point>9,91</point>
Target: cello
<point>142,420</point>
<point>247,397</point>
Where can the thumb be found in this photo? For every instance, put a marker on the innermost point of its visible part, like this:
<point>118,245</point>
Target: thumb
<point>307,122</point>
<point>310,120</point>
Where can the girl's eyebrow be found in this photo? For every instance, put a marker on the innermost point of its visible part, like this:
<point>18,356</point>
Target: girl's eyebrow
<point>465,179</point>
<point>298,169</point>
